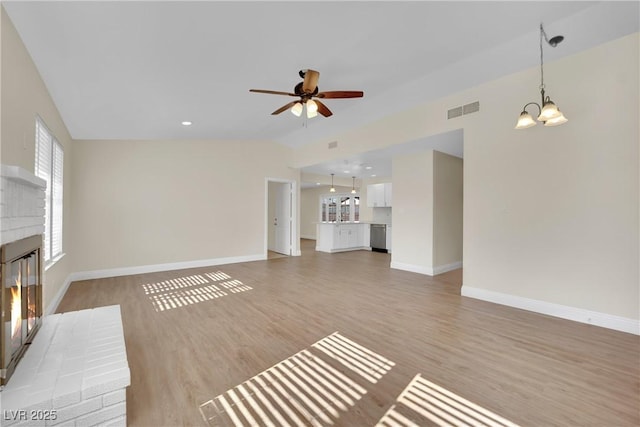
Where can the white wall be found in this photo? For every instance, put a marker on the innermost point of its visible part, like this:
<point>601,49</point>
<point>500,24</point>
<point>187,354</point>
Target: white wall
<point>550,214</point>
<point>23,96</point>
<point>142,203</point>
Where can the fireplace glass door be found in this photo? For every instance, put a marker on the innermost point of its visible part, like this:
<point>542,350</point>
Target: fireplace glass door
<point>20,287</point>
<point>20,300</point>
<point>32,294</point>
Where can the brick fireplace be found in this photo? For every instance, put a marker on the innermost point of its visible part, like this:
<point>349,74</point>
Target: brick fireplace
<point>75,371</point>
<point>22,216</point>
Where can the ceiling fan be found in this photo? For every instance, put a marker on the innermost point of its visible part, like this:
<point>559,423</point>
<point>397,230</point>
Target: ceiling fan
<point>307,91</point>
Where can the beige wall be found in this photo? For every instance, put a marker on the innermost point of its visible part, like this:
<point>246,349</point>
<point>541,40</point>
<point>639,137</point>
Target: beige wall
<point>153,202</point>
<point>427,206</point>
<point>413,212</point>
<point>24,96</point>
<point>550,214</point>
<point>271,209</point>
<point>447,209</point>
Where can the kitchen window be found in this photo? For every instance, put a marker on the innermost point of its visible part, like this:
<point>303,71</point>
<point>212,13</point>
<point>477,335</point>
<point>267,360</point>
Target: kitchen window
<point>339,208</point>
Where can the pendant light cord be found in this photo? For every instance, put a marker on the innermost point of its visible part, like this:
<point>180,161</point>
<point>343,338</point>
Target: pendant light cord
<point>541,59</point>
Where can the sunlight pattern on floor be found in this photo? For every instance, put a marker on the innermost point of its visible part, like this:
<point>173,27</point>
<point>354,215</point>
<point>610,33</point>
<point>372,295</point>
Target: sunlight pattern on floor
<point>172,284</point>
<point>426,403</point>
<point>359,359</point>
<point>235,286</point>
<point>194,289</point>
<point>303,390</point>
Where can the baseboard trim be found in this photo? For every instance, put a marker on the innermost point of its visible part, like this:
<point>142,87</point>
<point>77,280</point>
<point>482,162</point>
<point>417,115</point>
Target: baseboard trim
<point>333,251</point>
<point>596,318</point>
<point>439,269</point>
<point>429,271</point>
<point>128,271</point>
<point>53,305</point>
<point>412,268</point>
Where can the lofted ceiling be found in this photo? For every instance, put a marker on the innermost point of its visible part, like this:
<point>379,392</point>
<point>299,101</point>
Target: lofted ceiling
<point>137,69</point>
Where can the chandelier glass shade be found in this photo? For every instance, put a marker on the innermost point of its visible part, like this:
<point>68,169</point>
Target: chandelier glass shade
<point>548,112</point>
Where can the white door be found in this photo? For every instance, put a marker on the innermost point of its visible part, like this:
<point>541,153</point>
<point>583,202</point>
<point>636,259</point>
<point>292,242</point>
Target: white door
<point>282,220</point>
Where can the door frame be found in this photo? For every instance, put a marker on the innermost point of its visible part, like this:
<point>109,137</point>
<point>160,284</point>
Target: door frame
<point>295,239</point>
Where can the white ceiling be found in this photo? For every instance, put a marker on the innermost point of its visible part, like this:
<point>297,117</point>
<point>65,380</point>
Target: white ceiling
<point>135,70</point>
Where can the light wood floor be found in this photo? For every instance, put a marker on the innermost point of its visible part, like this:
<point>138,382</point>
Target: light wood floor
<point>530,369</point>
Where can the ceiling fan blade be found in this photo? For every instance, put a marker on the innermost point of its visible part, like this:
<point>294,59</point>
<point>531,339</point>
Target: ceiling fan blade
<point>341,94</point>
<point>272,92</point>
<point>284,107</point>
<point>310,81</point>
<point>322,109</point>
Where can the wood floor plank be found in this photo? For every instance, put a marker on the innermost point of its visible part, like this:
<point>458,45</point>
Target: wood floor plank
<point>528,368</point>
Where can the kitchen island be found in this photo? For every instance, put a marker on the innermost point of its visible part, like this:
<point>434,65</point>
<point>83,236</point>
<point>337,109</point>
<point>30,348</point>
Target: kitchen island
<point>342,236</point>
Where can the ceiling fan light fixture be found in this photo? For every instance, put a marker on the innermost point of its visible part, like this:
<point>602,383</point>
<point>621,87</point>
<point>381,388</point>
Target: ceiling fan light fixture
<point>312,106</point>
<point>305,91</point>
<point>296,110</point>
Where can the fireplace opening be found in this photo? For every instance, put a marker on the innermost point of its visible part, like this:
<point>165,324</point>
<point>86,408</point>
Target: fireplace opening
<point>20,299</point>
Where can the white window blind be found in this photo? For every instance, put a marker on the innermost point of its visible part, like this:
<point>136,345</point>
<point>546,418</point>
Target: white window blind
<point>49,166</point>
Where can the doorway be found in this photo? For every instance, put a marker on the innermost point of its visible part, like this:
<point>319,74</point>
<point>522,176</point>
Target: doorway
<point>280,216</point>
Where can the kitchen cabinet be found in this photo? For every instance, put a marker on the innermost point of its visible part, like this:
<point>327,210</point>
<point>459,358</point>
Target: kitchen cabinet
<point>347,236</point>
<point>379,195</point>
<point>387,194</point>
<point>338,237</point>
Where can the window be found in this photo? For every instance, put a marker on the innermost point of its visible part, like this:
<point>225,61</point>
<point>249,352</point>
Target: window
<point>348,204</point>
<point>49,166</point>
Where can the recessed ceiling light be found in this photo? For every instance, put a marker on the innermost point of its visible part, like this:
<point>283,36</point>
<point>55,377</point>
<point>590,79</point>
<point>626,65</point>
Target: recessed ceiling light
<point>373,176</point>
<point>347,172</point>
<point>186,123</point>
<point>317,183</point>
<point>368,168</point>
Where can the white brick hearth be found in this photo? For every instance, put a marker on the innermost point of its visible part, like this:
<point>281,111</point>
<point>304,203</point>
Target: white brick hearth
<point>21,204</point>
<point>75,373</point>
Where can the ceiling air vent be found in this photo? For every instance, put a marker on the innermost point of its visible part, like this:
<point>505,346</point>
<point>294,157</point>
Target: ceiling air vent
<point>465,109</point>
<point>471,108</point>
<point>333,144</point>
<point>454,112</point>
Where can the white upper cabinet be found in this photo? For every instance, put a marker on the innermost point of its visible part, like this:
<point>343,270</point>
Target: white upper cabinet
<point>379,195</point>
<point>387,194</point>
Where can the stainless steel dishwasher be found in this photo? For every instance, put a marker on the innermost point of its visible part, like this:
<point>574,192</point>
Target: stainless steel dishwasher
<point>379,237</point>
